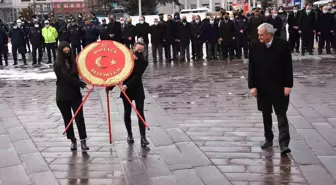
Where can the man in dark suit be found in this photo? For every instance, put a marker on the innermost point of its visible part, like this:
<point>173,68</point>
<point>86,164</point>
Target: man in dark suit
<point>270,80</point>
<point>114,29</point>
<point>276,21</point>
<point>307,24</point>
<point>293,29</point>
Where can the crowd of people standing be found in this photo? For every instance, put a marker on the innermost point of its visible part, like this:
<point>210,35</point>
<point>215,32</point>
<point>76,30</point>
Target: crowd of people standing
<point>224,35</point>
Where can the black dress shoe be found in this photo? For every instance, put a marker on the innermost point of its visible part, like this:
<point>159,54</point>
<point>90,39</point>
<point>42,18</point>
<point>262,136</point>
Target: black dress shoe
<point>144,142</point>
<point>266,144</point>
<point>84,146</point>
<point>285,150</point>
<point>73,145</point>
<point>130,139</point>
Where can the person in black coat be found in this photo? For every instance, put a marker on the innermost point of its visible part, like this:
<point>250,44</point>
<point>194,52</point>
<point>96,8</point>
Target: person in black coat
<point>114,29</point>
<point>183,38</point>
<point>75,36</point>
<point>142,29</point>
<point>226,36</point>
<point>37,40</point>
<point>3,44</point>
<point>241,26</point>
<point>169,39</point>
<point>134,89</point>
<point>254,21</point>
<point>103,31</point>
<point>270,78</point>
<point>307,26</point>
<point>68,94</point>
<point>17,36</point>
<point>156,39</point>
<point>276,21</point>
<point>325,29</point>
<point>129,34</point>
<point>293,29</point>
<point>196,29</point>
<point>91,33</point>
<point>210,34</point>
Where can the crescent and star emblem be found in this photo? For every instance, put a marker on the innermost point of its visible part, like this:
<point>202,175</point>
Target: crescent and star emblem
<point>98,62</point>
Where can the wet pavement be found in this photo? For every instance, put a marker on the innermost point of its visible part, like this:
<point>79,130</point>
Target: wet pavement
<point>205,130</point>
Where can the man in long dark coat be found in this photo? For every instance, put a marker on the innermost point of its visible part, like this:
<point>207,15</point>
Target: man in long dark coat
<point>270,81</point>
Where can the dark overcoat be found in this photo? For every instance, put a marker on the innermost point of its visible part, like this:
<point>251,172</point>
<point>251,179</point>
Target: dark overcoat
<point>270,71</point>
<point>135,89</point>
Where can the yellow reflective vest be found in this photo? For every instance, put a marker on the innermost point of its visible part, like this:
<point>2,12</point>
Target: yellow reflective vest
<point>49,34</point>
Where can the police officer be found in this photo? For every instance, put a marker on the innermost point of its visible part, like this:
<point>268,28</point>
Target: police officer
<point>17,36</point>
<point>103,32</point>
<point>91,32</point>
<point>241,25</point>
<point>63,32</point>
<point>75,35</point>
<point>36,40</point>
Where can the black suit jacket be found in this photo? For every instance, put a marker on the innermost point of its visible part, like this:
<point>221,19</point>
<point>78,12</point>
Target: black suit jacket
<point>68,84</point>
<point>134,84</point>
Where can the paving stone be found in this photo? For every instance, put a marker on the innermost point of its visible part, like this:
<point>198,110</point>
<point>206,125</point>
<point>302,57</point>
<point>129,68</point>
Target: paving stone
<point>160,137</point>
<point>316,174</point>
<point>25,147</point>
<point>45,178</point>
<point>164,180</point>
<point>34,163</point>
<point>135,172</point>
<point>2,129</point>
<point>299,122</point>
<point>264,177</point>
<point>221,155</point>
<point>216,177</point>
<point>302,154</point>
<point>187,177</point>
<point>330,163</point>
<point>327,131</point>
<point>156,166</point>
<point>232,169</point>
<point>5,142</point>
<point>225,149</point>
<point>177,135</point>
<point>11,122</point>
<point>193,155</point>
<point>17,134</point>
<point>9,158</point>
<point>92,181</point>
<point>174,158</point>
<point>319,146</point>
<point>14,175</point>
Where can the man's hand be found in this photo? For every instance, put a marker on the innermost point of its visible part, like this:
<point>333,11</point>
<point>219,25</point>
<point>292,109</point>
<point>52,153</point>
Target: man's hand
<point>111,35</point>
<point>254,92</point>
<point>296,27</point>
<point>124,88</point>
<point>287,91</point>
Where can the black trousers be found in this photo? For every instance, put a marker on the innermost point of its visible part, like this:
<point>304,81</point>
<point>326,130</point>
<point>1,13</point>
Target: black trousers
<point>51,47</point>
<point>242,42</point>
<point>4,52</point>
<point>324,41</point>
<point>65,108</point>
<point>185,52</point>
<point>76,49</point>
<point>227,50</point>
<point>37,48</point>
<point>15,50</point>
<point>284,136</point>
<point>294,39</point>
<point>157,48</point>
<point>139,103</point>
<point>307,42</point>
<point>212,50</point>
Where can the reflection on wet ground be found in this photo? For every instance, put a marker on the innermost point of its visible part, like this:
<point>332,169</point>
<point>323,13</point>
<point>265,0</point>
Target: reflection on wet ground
<point>212,106</point>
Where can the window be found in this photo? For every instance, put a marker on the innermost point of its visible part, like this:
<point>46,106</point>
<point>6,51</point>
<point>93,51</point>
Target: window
<point>192,6</point>
<point>205,5</point>
<point>25,0</point>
